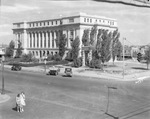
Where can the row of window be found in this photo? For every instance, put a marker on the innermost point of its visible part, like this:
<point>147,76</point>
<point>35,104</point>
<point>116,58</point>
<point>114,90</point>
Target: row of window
<point>89,20</point>
<point>36,53</point>
<point>47,23</point>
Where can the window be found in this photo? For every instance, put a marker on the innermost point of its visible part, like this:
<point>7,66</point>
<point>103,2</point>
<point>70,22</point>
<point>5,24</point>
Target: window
<point>52,22</point>
<point>34,40</point>
<point>71,20</point>
<point>91,20</point>
<point>36,24</point>
<point>44,39</point>
<point>56,22</point>
<point>40,24</point>
<point>99,20</point>
<point>44,23</point>
<point>84,19</point>
<point>88,20</point>
<point>71,33</point>
<point>48,39</point>
<point>18,25</point>
<point>41,39</point>
<point>61,22</point>
<point>37,40</point>
<point>47,23</point>
<point>53,39</point>
<point>30,40</point>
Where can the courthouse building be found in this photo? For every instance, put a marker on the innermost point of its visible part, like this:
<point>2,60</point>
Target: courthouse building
<point>39,37</point>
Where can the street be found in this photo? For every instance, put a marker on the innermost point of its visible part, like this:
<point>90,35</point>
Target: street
<point>60,97</point>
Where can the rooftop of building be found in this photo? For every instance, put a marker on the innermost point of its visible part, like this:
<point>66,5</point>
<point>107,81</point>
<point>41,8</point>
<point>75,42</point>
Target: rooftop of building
<point>79,14</point>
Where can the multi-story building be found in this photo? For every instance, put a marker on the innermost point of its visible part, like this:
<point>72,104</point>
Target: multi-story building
<point>39,37</point>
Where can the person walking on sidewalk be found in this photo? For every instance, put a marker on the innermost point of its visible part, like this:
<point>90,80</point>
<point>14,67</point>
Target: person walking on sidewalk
<point>22,101</point>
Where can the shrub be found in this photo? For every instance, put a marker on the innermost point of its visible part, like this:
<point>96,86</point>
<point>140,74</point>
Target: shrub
<point>50,57</point>
<point>77,62</point>
<point>95,63</point>
<point>57,57</point>
<point>35,60</point>
<point>26,57</point>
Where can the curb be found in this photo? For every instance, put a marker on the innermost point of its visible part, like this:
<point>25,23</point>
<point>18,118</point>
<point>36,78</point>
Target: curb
<point>127,78</point>
<point>4,98</point>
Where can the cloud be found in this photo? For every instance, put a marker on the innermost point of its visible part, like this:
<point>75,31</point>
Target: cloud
<point>5,26</point>
<point>17,8</point>
<point>5,34</point>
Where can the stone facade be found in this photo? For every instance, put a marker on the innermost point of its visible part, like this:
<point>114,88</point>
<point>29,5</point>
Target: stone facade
<point>39,37</point>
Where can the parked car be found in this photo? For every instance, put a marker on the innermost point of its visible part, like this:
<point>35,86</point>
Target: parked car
<point>16,67</point>
<point>53,71</point>
<point>68,72</point>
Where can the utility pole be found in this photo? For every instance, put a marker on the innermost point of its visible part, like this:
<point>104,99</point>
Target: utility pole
<point>123,59</point>
<point>2,65</point>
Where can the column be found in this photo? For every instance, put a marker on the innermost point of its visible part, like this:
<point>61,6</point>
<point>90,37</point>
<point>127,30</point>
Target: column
<point>50,39</point>
<point>35,39</point>
<point>42,39</point>
<point>46,39</point>
<point>32,39</point>
<point>90,55</point>
<point>25,41</point>
<point>69,45</point>
<point>39,39</point>
<point>16,41</point>
<point>54,39</point>
<point>28,43</point>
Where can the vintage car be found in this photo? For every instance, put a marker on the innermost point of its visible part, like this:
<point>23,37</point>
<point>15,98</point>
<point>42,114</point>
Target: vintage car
<point>68,72</point>
<point>53,71</point>
<point>16,67</point>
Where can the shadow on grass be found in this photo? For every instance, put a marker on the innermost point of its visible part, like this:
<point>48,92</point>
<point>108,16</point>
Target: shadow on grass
<point>139,68</point>
<point>66,76</point>
<point>5,91</point>
<point>14,108</point>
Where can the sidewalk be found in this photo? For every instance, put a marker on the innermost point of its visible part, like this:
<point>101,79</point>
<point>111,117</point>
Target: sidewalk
<point>4,98</point>
<point>87,72</point>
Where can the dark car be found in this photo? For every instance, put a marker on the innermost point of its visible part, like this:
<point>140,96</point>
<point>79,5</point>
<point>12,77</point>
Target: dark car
<point>16,67</point>
<point>53,71</point>
<point>68,72</point>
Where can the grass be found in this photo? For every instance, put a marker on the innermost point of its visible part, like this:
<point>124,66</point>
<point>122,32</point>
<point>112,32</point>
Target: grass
<point>32,64</point>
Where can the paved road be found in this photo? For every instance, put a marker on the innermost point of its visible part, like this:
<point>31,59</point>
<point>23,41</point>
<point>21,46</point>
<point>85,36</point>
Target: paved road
<point>58,97</point>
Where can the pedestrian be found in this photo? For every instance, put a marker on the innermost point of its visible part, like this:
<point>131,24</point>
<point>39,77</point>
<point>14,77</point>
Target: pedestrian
<point>22,101</point>
<point>18,102</point>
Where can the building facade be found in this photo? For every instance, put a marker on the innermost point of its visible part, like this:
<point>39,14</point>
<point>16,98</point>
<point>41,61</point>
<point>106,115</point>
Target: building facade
<point>40,37</point>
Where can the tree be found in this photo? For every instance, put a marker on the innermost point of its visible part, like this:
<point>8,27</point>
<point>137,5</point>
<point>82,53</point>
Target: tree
<point>114,45</point>
<point>93,35</point>
<point>62,44</point>
<point>147,57</point>
<point>75,48</point>
<point>27,57</point>
<point>10,49</point>
<point>139,57</point>
<point>105,53</point>
<point>85,37</point>
<point>19,49</point>
<point>118,49</point>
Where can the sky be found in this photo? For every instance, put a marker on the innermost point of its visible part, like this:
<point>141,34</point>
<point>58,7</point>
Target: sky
<point>133,22</point>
